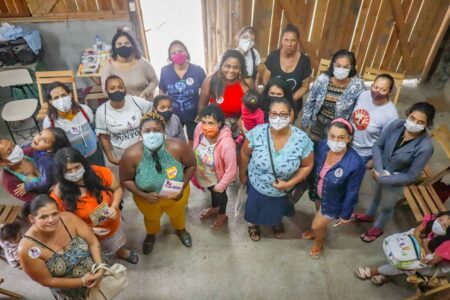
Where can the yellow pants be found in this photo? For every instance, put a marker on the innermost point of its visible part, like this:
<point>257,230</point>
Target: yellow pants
<point>152,212</point>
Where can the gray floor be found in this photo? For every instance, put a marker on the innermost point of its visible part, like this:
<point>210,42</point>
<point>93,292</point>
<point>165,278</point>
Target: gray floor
<point>228,265</point>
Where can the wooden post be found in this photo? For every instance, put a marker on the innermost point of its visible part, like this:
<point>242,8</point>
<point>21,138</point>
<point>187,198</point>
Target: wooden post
<point>401,32</point>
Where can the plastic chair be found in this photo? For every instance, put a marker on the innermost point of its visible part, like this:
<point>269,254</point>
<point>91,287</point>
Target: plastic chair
<point>18,110</point>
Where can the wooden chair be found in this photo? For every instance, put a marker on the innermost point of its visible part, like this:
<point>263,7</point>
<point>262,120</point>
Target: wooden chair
<point>442,135</point>
<point>371,73</point>
<point>9,293</point>
<point>48,77</point>
<point>435,286</point>
<point>323,66</point>
<point>9,213</point>
<point>423,199</point>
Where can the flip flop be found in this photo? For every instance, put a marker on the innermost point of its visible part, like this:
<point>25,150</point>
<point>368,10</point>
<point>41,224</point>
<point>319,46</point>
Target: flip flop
<point>379,279</point>
<point>207,213</point>
<point>371,235</point>
<point>360,217</point>
<point>278,231</point>
<point>308,235</point>
<point>315,252</point>
<point>132,258</point>
<point>363,273</point>
<point>148,244</point>
<point>219,223</point>
<point>254,232</point>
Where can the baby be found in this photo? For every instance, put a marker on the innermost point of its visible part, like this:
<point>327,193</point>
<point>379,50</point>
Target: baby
<point>10,236</point>
<point>251,114</point>
<point>13,158</point>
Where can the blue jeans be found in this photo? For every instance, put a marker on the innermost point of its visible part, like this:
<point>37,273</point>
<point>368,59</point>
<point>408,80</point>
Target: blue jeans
<point>384,198</point>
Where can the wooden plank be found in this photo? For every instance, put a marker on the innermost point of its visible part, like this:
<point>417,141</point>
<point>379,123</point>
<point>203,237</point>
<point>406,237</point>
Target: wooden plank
<point>246,12</point>
<point>88,16</point>
<point>82,5</point>
<point>329,16</point>
<point>5,213</point>
<point>104,5</point>
<point>412,203</point>
<point>420,202</point>
<point>336,32</point>
<point>317,27</point>
<point>390,49</point>
<point>437,42</point>
<point>22,7</point>
<point>431,205</point>
<point>366,35</point>
<point>406,5</point>
<point>275,29</point>
<point>3,8</point>
<point>359,27</point>
<point>235,20</point>
<point>309,8</point>
<point>40,7</point>
<point>71,5</point>
<point>15,211</point>
<point>436,199</point>
<point>384,30</point>
<point>261,17</point>
<point>121,5</point>
<point>92,5</point>
<point>350,25</point>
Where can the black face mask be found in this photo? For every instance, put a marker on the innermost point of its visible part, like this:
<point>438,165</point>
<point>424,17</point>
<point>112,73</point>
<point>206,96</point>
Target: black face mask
<point>166,115</point>
<point>116,96</point>
<point>125,51</point>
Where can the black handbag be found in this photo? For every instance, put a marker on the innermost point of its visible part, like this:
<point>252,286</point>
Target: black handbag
<point>299,189</point>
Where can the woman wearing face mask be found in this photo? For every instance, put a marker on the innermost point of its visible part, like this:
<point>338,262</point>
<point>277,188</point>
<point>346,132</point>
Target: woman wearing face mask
<point>226,87</point>
<point>77,121</point>
<point>92,193</point>
<point>162,105</point>
<point>38,156</point>
<point>182,81</point>
<point>333,95</point>
<point>58,250</point>
<point>433,237</point>
<point>148,169</point>
<point>117,121</point>
<point>277,87</point>
<point>336,179</point>
<point>372,113</point>
<point>215,152</point>
<point>399,156</point>
<point>126,62</point>
<point>290,155</point>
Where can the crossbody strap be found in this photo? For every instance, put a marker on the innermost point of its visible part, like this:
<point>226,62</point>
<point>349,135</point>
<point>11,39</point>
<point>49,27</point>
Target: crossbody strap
<point>270,154</point>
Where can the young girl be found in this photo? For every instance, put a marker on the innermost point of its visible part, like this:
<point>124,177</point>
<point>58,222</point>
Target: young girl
<point>10,237</point>
<point>252,115</point>
<point>162,105</point>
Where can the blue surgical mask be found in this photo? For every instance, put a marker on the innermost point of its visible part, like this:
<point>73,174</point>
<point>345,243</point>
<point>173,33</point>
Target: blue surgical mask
<point>153,140</point>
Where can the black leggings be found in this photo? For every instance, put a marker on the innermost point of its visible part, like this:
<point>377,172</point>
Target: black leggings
<point>219,200</point>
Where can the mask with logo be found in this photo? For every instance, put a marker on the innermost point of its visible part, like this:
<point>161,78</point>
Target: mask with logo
<point>16,155</point>
<point>125,51</point>
<point>179,58</point>
<point>63,104</point>
<point>75,176</point>
<point>153,140</point>
<point>413,127</point>
<point>335,146</point>
<point>437,228</point>
<point>210,131</point>
<point>166,115</point>
<point>277,123</point>
<point>116,96</point>
<point>340,73</point>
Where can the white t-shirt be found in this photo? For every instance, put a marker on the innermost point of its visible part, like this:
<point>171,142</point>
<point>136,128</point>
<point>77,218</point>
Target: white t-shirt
<point>369,120</point>
<point>248,61</point>
<point>78,130</point>
<point>122,125</point>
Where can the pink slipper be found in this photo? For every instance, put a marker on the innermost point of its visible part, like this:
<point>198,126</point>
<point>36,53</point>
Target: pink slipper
<point>360,217</point>
<point>371,235</point>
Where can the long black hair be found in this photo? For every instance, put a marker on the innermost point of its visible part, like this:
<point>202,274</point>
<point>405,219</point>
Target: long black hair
<point>61,140</point>
<point>70,191</point>
<point>32,207</point>
<point>343,53</point>
<point>134,46</point>
<point>52,112</point>
<point>217,84</point>
<point>425,108</point>
<point>282,84</point>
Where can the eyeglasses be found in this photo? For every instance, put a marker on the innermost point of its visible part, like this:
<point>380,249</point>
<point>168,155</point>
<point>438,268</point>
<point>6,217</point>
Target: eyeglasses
<point>283,116</point>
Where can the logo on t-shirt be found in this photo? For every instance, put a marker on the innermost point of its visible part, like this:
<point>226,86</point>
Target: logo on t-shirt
<point>219,100</point>
<point>361,119</point>
<point>189,81</point>
<point>75,130</point>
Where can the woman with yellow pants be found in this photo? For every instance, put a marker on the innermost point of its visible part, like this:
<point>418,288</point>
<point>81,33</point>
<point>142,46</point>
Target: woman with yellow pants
<point>154,169</point>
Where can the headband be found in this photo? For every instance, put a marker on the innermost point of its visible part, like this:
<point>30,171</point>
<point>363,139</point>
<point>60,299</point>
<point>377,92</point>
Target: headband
<point>345,122</point>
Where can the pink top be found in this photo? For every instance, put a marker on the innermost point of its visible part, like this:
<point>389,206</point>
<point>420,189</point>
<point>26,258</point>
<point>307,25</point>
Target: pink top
<point>322,174</point>
<point>443,250</point>
<point>250,119</point>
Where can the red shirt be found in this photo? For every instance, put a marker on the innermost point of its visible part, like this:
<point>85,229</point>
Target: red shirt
<point>230,102</point>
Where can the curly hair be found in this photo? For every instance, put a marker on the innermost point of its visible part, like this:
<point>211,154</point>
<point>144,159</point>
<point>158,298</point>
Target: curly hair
<point>152,116</point>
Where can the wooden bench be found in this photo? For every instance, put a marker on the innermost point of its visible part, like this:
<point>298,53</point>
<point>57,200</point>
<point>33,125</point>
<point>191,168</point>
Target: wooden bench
<point>435,286</point>
<point>9,293</point>
<point>9,213</point>
<point>442,135</point>
<point>423,199</point>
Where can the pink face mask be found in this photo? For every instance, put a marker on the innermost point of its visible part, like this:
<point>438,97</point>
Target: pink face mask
<point>179,58</point>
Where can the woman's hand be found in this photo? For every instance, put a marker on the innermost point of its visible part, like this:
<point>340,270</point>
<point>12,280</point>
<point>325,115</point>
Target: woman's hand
<point>178,197</point>
<point>243,178</point>
<point>145,95</point>
<point>92,280</point>
<point>20,190</point>
<point>215,189</point>
<point>369,164</point>
<point>111,213</point>
<point>282,185</point>
<point>151,197</point>
<point>375,175</point>
<point>114,161</point>
<point>100,231</point>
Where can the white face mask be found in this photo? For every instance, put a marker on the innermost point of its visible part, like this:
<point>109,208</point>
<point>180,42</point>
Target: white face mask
<point>413,127</point>
<point>437,228</point>
<point>336,147</point>
<point>16,155</point>
<point>75,176</point>
<point>245,44</point>
<point>277,123</point>
<point>341,73</point>
<point>63,104</point>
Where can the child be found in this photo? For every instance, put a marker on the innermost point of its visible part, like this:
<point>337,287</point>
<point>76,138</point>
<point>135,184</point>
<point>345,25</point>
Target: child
<point>162,105</point>
<point>251,114</point>
<point>14,160</point>
<point>10,237</point>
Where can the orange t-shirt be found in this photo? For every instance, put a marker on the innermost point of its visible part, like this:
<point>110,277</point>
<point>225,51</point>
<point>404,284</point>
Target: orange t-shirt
<point>88,203</point>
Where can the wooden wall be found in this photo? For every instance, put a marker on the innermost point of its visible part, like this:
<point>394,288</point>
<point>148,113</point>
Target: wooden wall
<point>47,10</point>
<point>395,35</point>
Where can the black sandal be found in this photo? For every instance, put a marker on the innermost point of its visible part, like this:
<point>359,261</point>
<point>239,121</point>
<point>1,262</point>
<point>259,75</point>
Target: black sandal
<point>278,231</point>
<point>254,232</point>
<point>184,237</point>
<point>148,244</point>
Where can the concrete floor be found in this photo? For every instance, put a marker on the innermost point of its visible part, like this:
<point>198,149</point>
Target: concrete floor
<point>228,265</point>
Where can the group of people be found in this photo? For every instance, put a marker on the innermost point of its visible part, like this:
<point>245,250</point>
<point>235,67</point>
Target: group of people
<point>239,124</point>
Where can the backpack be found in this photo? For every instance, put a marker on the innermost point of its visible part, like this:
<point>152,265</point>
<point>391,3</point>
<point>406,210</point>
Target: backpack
<point>403,251</point>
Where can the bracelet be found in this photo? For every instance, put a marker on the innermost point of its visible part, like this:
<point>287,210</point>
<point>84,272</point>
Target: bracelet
<point>84,282</point>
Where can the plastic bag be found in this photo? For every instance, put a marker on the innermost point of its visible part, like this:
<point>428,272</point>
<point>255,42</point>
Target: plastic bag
<point>240,200</point>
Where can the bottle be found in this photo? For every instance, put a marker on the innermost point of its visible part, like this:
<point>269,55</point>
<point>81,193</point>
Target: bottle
<point>98,42</point>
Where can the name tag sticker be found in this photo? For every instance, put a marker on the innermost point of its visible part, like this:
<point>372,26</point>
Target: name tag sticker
<point>171,172</point>
<point>34,252</point>
<point>339,172</point>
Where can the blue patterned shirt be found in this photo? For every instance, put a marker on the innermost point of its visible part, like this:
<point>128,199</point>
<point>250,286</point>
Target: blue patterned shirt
<point>286,161</point>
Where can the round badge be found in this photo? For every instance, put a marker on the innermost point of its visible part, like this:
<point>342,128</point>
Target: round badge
<point>75,130</point>
<point>34,252</point>
<point>219,100</point>
<point>189,81</point>
<point>339,172</point>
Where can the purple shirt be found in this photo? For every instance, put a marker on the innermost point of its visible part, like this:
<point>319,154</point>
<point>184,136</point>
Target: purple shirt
<point>184,91</point>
